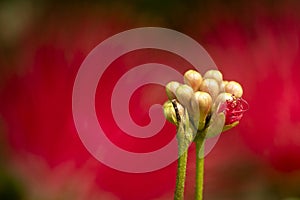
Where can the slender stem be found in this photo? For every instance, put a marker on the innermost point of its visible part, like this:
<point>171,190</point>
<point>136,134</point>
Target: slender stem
<point>199,168</point>
<point>182,153</point>
<point>180,178</point>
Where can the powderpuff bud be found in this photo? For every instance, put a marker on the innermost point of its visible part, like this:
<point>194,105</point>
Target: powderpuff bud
<point>234,88</point>
<point>184,94</point>
<point>171,87</point>
<point>201,103</point>
<point>210,86</point>
<point>170,112</point>
<point>214,74</point>
<point>193,79</point>
<point>233,109</point>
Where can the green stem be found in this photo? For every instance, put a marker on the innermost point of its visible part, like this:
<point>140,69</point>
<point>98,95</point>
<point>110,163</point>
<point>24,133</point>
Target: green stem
<point>199,168</point>
<point>181,173</point>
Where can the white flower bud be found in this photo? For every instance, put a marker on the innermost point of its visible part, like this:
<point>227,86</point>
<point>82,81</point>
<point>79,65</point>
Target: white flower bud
<point>193,79</point>
<point>171,87</point>
<point>184,94</point>
<point>222,97</point>
<point>234,88</point>
<point>210,86</point>
<point>214,74</point>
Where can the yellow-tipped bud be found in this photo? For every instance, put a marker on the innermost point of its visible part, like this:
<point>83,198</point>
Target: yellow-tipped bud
<point>214,74</point>
<point>171,87</point>
<point>184,94</point>
<point>204,101</point>
<point>234,88</point>
<point>170,113</point>
<point>201,104</point>
<point>222,86</point>
<point>193,79</point>
<point>210,86</point>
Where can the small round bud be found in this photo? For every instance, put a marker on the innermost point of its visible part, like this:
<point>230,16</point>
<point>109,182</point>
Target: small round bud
<point>184,94</point>
<point>171,87</point>
<point>170,113</point>
<point>214,74</point>
<point>222,86</point>
<point>203,100</point>
<point>193,79</point>
<point>201,104</point>
<point>222,98</point>
<point>210,86</point>
<point>234,88</point>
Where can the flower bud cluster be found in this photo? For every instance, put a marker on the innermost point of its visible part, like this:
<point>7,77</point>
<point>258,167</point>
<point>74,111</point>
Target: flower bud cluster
<point>213,104</point>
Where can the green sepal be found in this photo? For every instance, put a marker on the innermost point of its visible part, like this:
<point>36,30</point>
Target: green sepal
<point>230,126</point>
<point>216,125</point>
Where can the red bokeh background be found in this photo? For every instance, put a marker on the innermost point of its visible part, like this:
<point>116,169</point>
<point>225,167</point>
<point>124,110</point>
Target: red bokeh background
<point>42,157</point>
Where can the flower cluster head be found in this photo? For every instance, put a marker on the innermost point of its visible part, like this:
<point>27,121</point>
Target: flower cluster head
<point>207,103</point>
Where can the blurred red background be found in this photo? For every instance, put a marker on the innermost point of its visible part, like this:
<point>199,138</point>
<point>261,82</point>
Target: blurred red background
<point>44,43</point>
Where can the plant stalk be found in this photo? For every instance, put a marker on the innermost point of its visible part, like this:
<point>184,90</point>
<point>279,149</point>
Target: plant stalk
<point>180,178</point>
<point>199,168</point>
